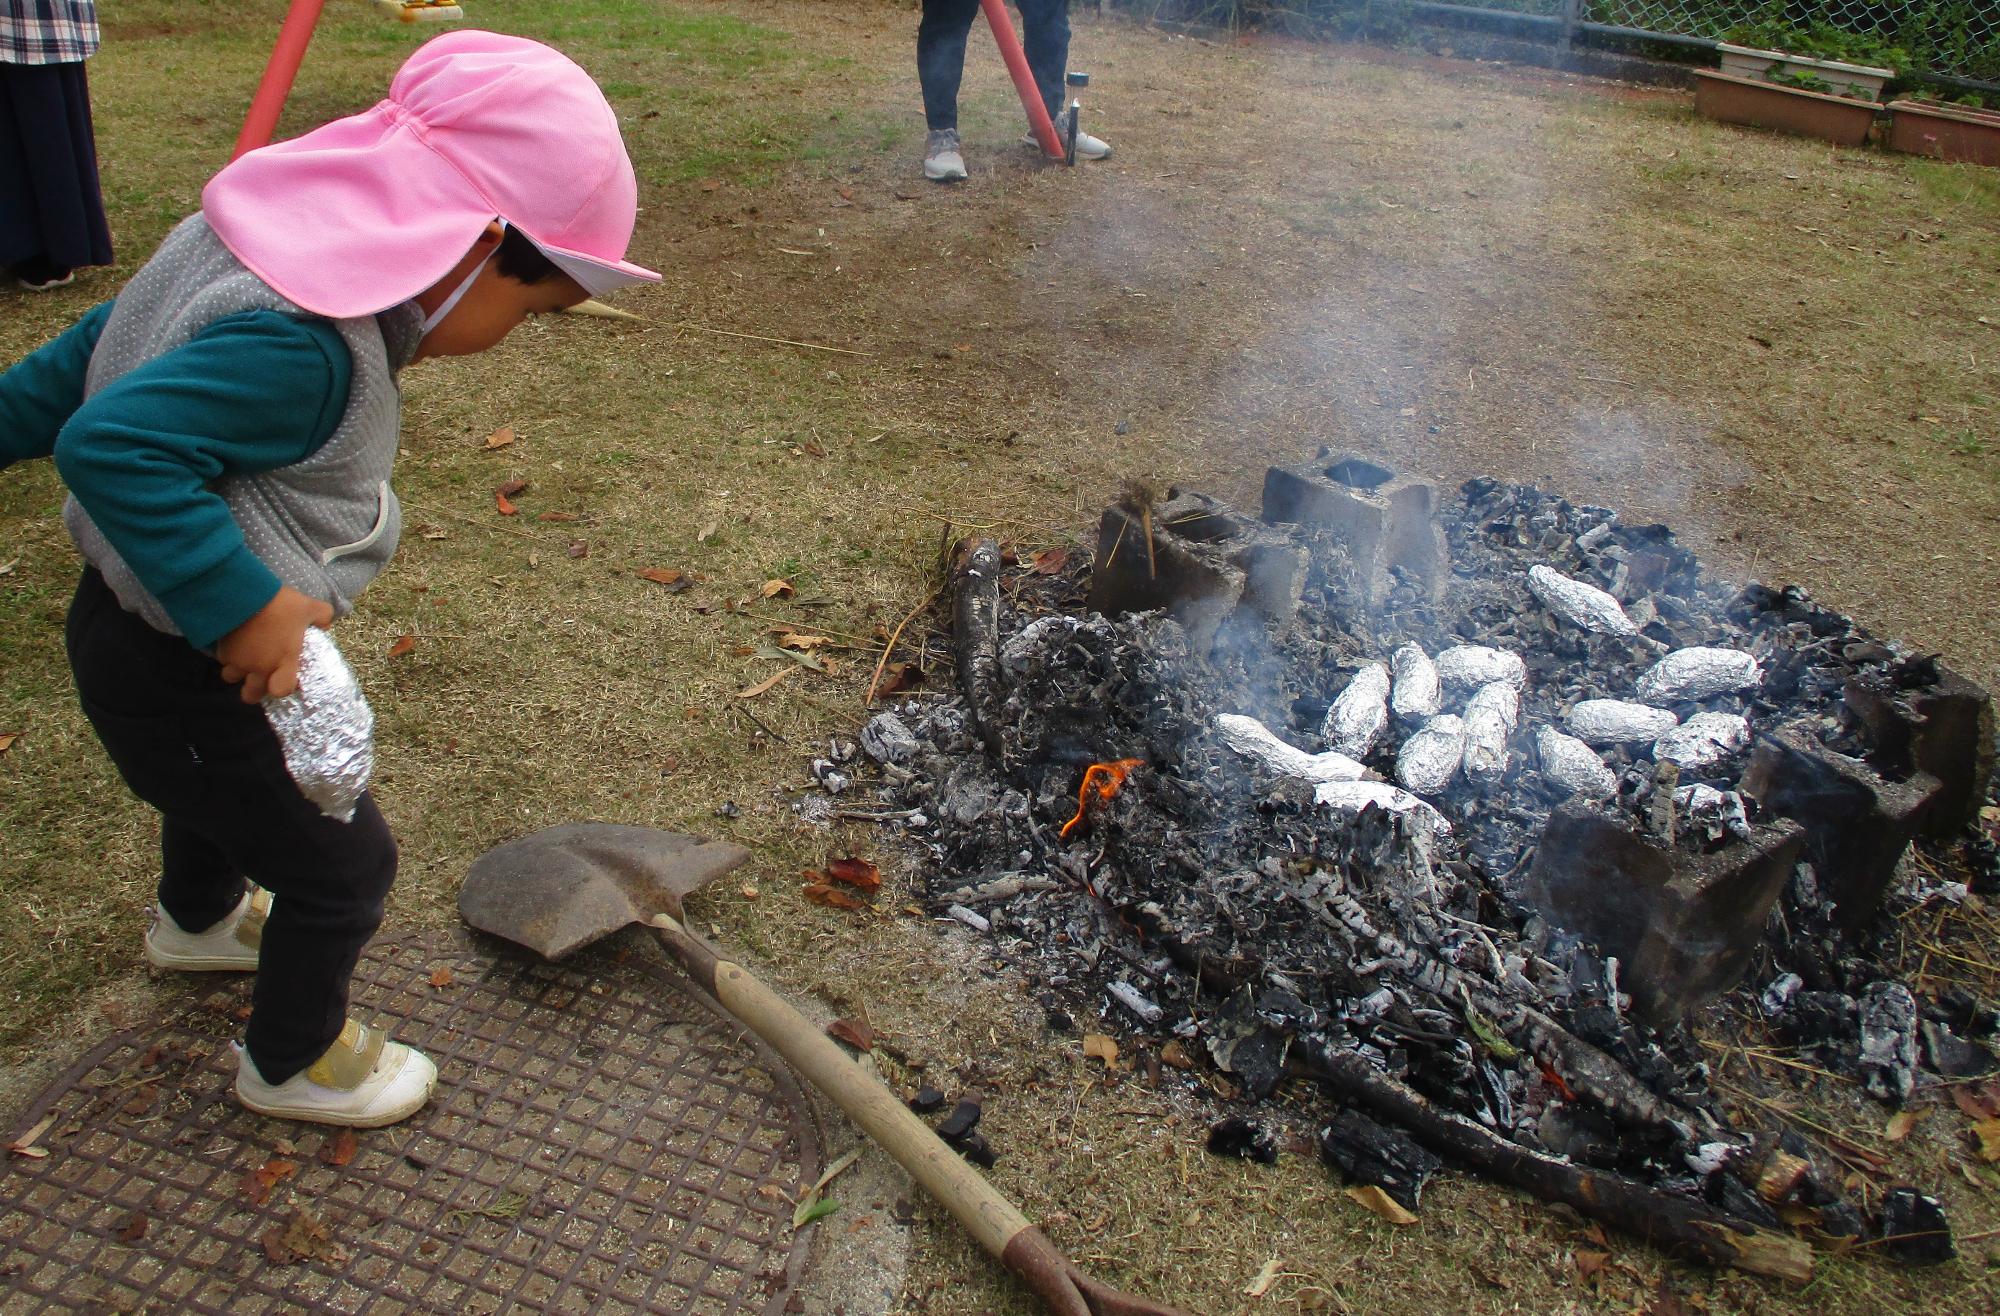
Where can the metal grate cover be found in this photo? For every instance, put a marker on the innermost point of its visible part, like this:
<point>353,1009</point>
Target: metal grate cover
<point>601,1140</point>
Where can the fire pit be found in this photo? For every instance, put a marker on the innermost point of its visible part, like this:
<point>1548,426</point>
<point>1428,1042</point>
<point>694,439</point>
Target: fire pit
<point>1458,804</point>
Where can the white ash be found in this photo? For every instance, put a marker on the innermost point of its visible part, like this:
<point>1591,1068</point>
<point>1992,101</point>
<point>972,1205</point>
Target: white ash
<point>1361,714</point>
<point>1713,812</point>
<point>1415,695</point>
<point>1032,640</point>
<point>1618,722</point>
<point>888,739</point>
<point>830,777</point>
<point>1579,604</point>
<point>1491,716</point>
<point>971,918</point>
<point>1573,765</point>
<point>1703,741</point>
<point>1134,1000</point>
<point>1351,797</point>
<point>1469,666</point>
<point>1889,1041</point>
<point>1429,759</point>
<point>1253,740</point>
<point>1777,997</point>
<point>1698,673</point>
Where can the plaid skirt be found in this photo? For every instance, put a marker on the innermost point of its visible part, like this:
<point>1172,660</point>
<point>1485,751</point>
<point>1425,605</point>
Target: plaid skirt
<point>49,200</point>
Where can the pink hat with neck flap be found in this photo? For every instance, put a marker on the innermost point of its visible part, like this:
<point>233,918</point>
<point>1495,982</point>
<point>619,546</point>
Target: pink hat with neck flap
<point>366,212</point>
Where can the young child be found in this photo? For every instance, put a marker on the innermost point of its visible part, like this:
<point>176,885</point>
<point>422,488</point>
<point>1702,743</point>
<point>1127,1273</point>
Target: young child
<point>226,428</point>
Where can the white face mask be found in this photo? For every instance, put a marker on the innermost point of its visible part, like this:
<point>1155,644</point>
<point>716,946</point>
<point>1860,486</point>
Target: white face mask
<point>436,318</point>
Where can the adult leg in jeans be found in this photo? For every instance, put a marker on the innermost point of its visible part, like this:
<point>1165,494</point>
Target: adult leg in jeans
<point>941,36</point>
<point>1045,41</point>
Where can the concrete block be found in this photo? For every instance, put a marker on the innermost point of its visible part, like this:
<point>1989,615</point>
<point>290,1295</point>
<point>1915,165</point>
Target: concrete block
<point>1943,728</point>
<point>1683,926</point>
<point>1207,564</point>
<point>1383,520</point>
<point>1858,823</point>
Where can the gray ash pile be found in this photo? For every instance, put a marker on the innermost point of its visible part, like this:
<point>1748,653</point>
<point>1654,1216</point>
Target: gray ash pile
<point>1458,810</point>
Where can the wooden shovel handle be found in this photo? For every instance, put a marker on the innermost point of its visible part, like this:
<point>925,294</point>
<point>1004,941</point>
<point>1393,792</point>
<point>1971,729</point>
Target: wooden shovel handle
<point>995,1222</point>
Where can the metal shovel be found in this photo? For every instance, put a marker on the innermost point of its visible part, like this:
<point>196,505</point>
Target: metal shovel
<point>558,890</point>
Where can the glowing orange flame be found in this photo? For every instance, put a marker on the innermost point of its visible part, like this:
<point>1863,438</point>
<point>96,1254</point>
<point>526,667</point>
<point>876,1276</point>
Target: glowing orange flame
<point>1100,782</point>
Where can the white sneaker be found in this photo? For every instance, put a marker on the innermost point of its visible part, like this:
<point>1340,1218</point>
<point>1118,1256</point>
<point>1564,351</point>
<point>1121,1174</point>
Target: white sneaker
<point>942,162</point>
<point>229,946</point>
<point>1087,147</point>
<point>363,1082</point>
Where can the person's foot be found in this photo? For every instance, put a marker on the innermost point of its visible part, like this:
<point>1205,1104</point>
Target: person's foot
<point>1087,147</point>
<point>364,1081</point>
<point>230,946</point>
<point>40,274</point>
<point>942,162</point>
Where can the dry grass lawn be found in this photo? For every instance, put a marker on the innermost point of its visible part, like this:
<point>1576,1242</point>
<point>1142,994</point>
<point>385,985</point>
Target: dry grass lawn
<point>1784,350</point>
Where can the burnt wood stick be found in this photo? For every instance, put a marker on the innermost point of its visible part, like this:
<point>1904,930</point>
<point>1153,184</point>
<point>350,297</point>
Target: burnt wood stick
<point>976,641</point>
<point>1591,1073</point>
<point>1681,1225</point>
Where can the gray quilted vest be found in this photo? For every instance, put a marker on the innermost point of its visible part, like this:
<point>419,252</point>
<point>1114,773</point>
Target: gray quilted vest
<point>324,525</point>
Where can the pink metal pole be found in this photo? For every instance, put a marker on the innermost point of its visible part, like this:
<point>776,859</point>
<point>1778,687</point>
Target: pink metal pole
<point>1024,81</point>
<point>286,56</point>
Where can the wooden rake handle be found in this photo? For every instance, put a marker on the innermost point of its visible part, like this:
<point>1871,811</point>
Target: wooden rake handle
<point>991,1219</point>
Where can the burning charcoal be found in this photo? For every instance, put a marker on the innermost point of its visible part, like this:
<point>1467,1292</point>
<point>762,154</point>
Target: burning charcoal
<point>927,1100</point>
<point>1429,759</point>
<point>1490,718</point>
<point>887,739</point>
<point>1134,1000</point>
<point>1819,1019</point>
<point>1777,997</point>
<point>1415,695</point>
<point>1253,740</point>
<point>1038,637</point>
<point>1889,1041</point>
<point>963,1119</point>
<point>1469,666</point>
<point>1698,673</point>
<point>1712,812</point>
<point>1366,1152</point>
<point>1354,797</point>
<point>1703,741</point>
<point>1244,1139</point>
<point>1579,604</point>
<point>1914,1230</point>
<point>1573,766</point>
<point>1361,714</point>
<point>974,1147</point>
<point>1618,722</point>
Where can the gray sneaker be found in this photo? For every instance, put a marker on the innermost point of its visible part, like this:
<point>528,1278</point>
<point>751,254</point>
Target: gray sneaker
<point>942,162</point>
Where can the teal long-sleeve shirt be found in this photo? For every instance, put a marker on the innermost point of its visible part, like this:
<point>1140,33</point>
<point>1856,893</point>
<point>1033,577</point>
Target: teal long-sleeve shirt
<point>251,392</point>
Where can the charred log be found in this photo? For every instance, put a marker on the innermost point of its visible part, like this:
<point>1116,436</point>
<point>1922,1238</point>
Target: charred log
<point>976,642</point>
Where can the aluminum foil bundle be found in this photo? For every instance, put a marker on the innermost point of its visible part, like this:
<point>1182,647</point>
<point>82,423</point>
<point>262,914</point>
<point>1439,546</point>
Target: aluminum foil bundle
<point>1351,797</point>
<point>1579,604</point>
<point>1573,766</point>
<point>1703,740</point>
<point>1698,673</point>
<point>1490,718</point>
<point>1361,714</point>
<point>1618,722</point>
<point>1415,694</point>
<point>326,729</point>
<point>1429,759</point>
<point>1253,740</point>
<point>1713,812</point>
<point>1469,666</point>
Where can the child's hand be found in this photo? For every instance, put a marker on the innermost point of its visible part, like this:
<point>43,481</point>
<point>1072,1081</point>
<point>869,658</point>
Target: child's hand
<point>263,653</point>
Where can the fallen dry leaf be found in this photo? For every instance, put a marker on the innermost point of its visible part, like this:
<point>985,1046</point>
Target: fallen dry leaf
<point>132,1228</point>
<point>501,437</point>
<point>749,892</point>
<point>579,549</point>
<point>1900,1125</point>
<point>793,640</point>
<point>1988,1133</point>
<point>301,1238</point>
<point>441,976</point>
<point>1173,1053</point>
<point>1096,1046</point>
<point>1266,1277</point>
<point>777,589</point>
<point>856,1034</point>
<point>257,1184</point>
<point>898,677</point>
<point>403,644</point>
<point>1372,1197</point>
<point>7,738</point>
<point>1978,1103</point>
<point>429,531</point>
<point>1049,561</point>
<point>339,1149</point>
<point>820,893</point>
<point>751,692</point>
<point>503,506</point>
<point>855,872</point>
<point>25,1144</point>
<point>1590,1264</point>
<point>662,575</point>
<point>556,516</point>
<point>709,184</point>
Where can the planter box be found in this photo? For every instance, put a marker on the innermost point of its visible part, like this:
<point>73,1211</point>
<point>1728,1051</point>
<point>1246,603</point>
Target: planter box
<point>1857,80</point>
<point>1957,133</point>
<point>1762,104</point>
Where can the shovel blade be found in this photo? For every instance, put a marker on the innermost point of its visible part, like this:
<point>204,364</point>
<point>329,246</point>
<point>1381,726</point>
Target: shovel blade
<point>557,890</point>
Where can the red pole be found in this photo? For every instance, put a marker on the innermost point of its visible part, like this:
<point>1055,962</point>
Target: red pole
<point>1024,81</point>
<point>278,74</point>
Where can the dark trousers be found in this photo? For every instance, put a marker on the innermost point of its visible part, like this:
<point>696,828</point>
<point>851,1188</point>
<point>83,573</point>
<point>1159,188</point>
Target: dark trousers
<point>941,52</point>
<point>188,745</point>
<point>50,204</point>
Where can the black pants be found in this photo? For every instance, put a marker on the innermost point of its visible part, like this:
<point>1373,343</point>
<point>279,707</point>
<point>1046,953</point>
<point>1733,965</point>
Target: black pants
<point>941,52</point>
<point>188,745</point>
<point>50,204</point>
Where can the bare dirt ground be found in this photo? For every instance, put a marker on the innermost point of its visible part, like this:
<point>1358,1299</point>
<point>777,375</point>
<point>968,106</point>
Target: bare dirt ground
<point>1780,349</point>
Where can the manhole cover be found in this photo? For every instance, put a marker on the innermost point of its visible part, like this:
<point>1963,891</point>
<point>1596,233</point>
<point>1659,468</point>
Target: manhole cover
<point>601,1141</point>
